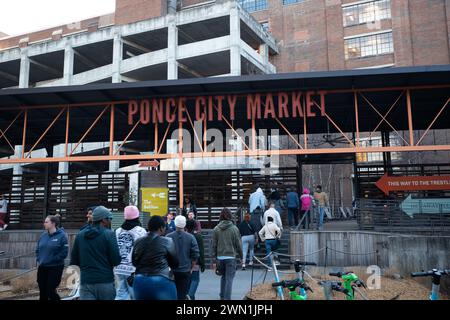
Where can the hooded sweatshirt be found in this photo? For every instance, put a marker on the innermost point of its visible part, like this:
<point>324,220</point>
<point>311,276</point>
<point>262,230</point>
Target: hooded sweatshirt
<point>126,236</point>
<point>96,252</point>
<point>226,240</point>
<point>257,199</point>
<point>52,249</point>
<point>306,199</point>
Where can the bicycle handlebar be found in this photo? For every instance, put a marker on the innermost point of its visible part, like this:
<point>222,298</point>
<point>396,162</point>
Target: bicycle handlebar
<point>339,274</point>
<point>291,284</point>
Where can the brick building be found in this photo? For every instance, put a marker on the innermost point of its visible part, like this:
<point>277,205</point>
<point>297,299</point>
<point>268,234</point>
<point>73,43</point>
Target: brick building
<point>311,36</point>
<point>160,39</point>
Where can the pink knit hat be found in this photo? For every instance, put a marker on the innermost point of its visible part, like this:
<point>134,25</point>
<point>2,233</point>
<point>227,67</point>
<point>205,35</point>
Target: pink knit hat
<point>131,213</point>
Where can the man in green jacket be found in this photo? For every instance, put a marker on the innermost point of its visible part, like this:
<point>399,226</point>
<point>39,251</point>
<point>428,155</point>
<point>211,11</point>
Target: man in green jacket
<point>226,245</point>
<point>96,252</point>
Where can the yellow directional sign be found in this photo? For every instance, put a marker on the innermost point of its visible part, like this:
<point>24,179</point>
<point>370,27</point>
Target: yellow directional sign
<point>155,201</point>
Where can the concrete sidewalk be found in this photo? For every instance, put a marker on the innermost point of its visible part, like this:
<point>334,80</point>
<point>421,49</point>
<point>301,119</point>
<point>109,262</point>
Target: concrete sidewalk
<point>209,287</point>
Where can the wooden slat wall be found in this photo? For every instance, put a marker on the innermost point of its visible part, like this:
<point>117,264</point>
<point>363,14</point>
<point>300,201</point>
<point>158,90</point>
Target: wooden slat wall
<point>304,244</point>
<point>68,194</point>
<point>212,190</point>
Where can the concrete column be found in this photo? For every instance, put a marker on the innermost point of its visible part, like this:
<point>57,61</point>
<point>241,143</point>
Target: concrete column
<point>114,166</point>
<point>24,78</point>
<point>58,151</point>
<point>68,63</point>
<point>235,42</point>
<point>264,52</point>
<point>117,58</point>
<point>172,44</point>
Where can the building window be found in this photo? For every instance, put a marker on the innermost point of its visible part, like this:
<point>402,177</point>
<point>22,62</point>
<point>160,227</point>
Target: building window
<point>253,5</point>
<point>366,12</point>
<point>265,25</point>
<point>286,2</point>
<point>366,46</point>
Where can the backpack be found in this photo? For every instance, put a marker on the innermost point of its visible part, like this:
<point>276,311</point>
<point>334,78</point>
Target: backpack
<point>306,202</point>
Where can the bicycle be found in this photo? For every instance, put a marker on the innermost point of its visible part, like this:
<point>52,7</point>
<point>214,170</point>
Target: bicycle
<point>436,275</point>
<point>300,283</point>
<point>329,286</point>
<point>350,283</point>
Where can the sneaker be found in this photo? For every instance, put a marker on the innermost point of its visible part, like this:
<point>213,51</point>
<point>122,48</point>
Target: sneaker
<point>250,263</point>
<point>277,263</point>
<point>243,267</point>
<point>5,226</point>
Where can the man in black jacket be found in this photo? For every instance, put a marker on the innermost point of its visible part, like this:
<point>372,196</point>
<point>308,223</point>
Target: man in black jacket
<point>188,253</point>
<point>96,252</point>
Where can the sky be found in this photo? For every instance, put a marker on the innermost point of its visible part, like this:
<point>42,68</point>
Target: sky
<point>22,16</point>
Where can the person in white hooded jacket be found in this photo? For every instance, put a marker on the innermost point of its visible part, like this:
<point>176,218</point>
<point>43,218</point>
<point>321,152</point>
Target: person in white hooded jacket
<point>272,212</point>
<point>270,235</point>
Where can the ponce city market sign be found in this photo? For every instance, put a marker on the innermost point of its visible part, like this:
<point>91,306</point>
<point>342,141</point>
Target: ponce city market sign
<point>210,108</point>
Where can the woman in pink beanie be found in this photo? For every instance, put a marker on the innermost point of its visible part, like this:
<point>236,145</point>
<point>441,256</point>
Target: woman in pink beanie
<point>127,235</point>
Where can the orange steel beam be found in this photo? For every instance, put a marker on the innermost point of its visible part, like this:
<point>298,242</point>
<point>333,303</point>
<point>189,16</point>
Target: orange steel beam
<point>205,133</point>
<point>231,154</point>
<point>390,109</point>
<point>89,129</point>
<point>111,131</point>
<point>75,105</point>
<point>388,89</point>
<point>128,135</point>
<point>180,163</point>
<point>253,133</point>
<point>195,132</point>
<point>102,103</point>
<point>289,134</point>
<point>9,126</point>
<point>390,125</point>
<point>334,124</point>
<point>232,128</point>
<point>46,130</point>
<point>355,96</point>
<point>10,145</point>
<point>167,131</point>
<point>24,132</point>
<point>66,141</point>
<point>156,139</point>
<point>432,122</point>
<point>285,129</point>
<point>305,135</point>
<point>410,122</point>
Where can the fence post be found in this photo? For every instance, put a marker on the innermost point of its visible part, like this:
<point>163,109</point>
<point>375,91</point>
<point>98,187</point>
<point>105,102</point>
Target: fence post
<point>251,284</point>
<point>376,257</point>
<point>326,256</point>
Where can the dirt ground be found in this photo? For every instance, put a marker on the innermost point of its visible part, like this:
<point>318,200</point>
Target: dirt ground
<point>390,289</point>
<point>26,287</point>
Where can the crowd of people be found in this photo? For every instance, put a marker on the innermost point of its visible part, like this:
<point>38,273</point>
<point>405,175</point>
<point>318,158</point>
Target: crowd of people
<point>164,261</point>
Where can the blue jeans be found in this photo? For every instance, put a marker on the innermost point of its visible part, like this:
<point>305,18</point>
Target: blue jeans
<point>124,291</point>
<point>321,215</point>
<point>195,280</point>
<point>97,291</point>
<point>270,243</point>
<point>226,282</point>
<point>293,216</point>
<point>154,288</point>
<point>248,242</point>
